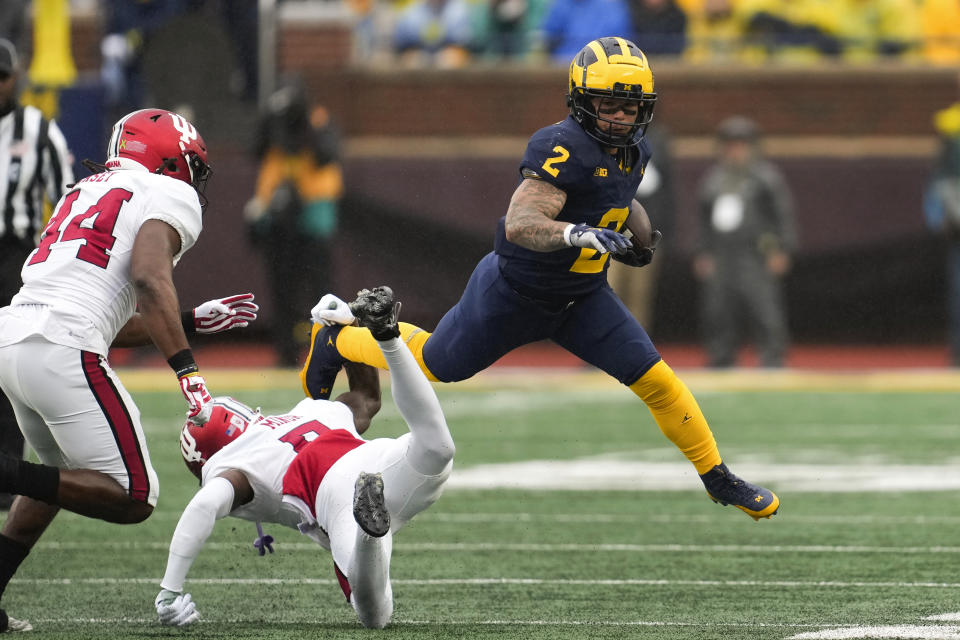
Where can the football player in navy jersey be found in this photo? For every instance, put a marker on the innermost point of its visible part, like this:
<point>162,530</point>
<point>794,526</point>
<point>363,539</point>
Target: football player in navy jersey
<point>546,278</point>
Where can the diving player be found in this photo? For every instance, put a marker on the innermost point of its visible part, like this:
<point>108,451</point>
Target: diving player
<point>311,470</point>
<point>546,278</point>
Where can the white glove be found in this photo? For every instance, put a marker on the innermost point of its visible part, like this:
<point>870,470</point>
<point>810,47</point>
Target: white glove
<point>601,240</point>
<point>223,314</point>
<point>331,310</point>
<point>194,389</point>
<point>176,609</point>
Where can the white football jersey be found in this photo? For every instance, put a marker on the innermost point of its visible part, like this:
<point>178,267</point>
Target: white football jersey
<point>265,450</point>
<point>76,285</point>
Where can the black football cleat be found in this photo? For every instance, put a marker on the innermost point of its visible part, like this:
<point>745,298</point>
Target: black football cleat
<point>376,310</point>
<point>726,488</point>
<point>323,363</point>
<point>369,509</point>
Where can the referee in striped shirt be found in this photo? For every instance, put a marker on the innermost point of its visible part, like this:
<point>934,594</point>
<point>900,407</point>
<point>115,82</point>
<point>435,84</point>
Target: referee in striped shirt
<point>34,161</point>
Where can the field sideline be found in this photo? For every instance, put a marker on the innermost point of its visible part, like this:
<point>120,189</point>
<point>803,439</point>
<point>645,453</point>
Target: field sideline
<point>699,380</point>
<point>865,545</point>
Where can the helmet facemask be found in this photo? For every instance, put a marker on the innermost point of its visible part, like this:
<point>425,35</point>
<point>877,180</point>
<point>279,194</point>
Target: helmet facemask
<point>582,107</point>
<point>200,173</point>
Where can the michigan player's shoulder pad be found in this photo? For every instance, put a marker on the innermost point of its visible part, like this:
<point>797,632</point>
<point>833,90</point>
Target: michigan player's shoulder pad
<point>560,154</point>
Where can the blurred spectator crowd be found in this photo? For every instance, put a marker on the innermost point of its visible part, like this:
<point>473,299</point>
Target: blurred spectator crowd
<point>450,33</point>
<point>453,33</point>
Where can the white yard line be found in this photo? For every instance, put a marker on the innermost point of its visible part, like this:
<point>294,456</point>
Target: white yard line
<point>524,547</point>
<point>434,515</point>
<point>600,518</point>
<point>824,632</point>
<point>206,620</point>
<point>780,584</point>
<point>894,632</point>
<point>595,473</point>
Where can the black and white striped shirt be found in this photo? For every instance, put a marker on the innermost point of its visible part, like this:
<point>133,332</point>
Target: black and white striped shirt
<point>34,159</point>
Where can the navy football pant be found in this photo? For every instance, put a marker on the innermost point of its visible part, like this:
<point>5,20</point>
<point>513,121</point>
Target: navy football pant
<point>491,319</point>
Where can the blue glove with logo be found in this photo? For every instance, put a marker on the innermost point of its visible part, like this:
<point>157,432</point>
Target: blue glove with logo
<point>602,240</point>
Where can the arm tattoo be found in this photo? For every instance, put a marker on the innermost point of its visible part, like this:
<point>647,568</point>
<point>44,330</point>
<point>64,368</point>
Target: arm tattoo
<point>531,218</point>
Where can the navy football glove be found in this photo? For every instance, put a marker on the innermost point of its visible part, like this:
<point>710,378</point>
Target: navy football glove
<point>640,256</point>
<point>603,240</point>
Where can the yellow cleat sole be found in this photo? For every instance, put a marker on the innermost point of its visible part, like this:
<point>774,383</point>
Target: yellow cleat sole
<point>767,513</point>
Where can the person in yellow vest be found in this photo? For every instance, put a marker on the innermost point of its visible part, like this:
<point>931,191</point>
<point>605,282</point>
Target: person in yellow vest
<point>293,215</point>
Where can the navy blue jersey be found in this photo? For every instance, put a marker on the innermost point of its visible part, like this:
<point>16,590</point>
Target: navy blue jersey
<point>599,192</point>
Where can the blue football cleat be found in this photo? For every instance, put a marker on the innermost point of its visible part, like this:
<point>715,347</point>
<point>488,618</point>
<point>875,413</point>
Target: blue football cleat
<point>323,364</point>
<point>726,488</point>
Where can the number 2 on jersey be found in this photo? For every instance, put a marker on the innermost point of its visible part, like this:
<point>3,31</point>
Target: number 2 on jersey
<point>94,226</point>
<point>591,260</point>
<point>563,156</point>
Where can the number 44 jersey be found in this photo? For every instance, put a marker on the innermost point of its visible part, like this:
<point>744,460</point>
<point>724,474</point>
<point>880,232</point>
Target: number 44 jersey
<point>76,285</point>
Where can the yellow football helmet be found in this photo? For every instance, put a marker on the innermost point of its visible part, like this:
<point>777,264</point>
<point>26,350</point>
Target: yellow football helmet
<point>611,67</point>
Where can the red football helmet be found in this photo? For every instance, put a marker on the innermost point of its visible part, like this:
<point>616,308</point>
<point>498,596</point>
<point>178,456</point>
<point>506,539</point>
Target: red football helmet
<point>229,419</point>
<point>161,142</point>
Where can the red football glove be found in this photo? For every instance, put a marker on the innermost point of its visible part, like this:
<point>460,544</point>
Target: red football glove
<point>224,314</point>
<point>194,389</point>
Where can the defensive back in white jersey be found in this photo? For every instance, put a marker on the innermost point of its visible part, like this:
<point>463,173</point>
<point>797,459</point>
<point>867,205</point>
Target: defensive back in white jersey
<point>77,290</point>
<point>265,450</point>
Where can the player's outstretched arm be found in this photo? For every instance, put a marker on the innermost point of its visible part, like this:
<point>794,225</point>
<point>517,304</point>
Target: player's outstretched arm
<point>214,501</point>
<point>151,271</point>
<point>213,316</point>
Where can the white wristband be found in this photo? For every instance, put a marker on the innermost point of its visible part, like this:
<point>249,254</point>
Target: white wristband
<point>566,234</point>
